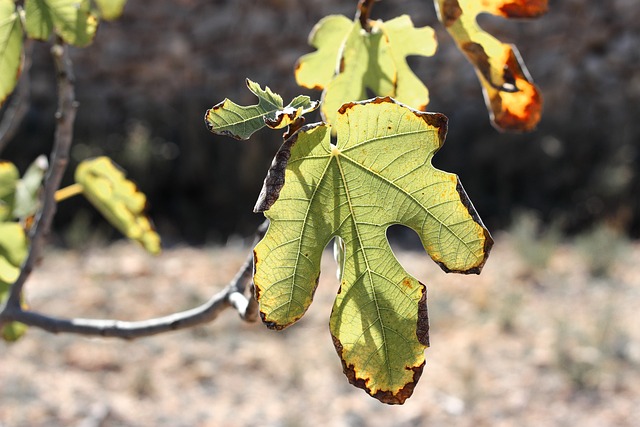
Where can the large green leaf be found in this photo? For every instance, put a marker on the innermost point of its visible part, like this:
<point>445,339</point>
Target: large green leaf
<point>514,102</point>
<point>71,19</point>
<point>379,173</point>
<point>118,200</point>
<point>350,60</point>
<point>10,48</point>
<point>236,121</point>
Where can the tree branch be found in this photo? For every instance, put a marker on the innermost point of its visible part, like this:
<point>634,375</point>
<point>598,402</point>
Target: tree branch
<point>364,12</point>
<point>65,117</point>
<point>231,296</point>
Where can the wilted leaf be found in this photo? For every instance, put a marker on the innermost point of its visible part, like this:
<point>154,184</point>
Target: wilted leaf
<point>118,200</point>
<point>110,9</point>
<point>379,173</point>
<point>514,102</point>
<point>10,48</point>
<point>236,121</point>
<point>9,177</point>
<point>28,188</point>
<point>350,60</point>
<point>13,251</point>
<point>71,19</point>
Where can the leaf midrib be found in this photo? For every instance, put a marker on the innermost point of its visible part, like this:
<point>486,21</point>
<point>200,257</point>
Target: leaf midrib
<point>302,232</point>
<point>368,272</point>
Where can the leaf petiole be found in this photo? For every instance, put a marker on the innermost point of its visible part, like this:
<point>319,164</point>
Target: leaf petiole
<point>68,192</point>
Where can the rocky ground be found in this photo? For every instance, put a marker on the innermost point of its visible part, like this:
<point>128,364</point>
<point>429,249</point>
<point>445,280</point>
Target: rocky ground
<point>541,338</point>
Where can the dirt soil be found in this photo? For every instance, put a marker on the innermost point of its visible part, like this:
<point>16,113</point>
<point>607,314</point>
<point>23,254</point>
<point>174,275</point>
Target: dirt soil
<point>517,345</point>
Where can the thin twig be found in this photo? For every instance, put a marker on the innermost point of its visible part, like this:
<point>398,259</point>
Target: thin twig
<point>65,117</point>
<point>130,330</point>
<point>19,105</point>
<point>364,12</point>
<point>231,296</point>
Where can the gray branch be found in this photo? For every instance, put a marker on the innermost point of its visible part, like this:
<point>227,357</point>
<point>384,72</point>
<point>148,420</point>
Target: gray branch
<point>231,296</point>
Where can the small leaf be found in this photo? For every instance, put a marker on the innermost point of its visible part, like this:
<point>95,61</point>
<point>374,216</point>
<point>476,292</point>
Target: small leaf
<point>316,70</point>
<point>364,62</point>
<point>379,173</point>
<point>118,200</point>
<point>236,121</point>
<point>13,331</point>
<point>110,9</point>
<point>514,102</point>
<point>28,188</point>
<point>404,37</point>
<point>9,177</point>
<point>10,48</point>
<point>350,60</point>
<point>13,251</point>
<point>71,19</point>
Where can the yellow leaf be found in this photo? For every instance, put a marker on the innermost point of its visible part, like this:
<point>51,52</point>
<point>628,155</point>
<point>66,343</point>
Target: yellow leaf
<point>350,60</point>
<point>514,102</point>
<point>118,199</point>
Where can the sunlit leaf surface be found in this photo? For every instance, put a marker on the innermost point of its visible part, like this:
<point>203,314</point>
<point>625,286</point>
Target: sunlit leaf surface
<point>350,60</point>
<point>379,173</point>
<point>71,19</point>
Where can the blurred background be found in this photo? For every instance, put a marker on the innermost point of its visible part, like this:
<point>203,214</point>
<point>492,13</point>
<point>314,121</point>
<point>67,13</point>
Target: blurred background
<point>147,80</point>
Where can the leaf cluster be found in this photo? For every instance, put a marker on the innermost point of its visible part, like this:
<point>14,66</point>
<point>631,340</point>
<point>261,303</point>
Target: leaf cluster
<point>18,203</point>
<point>365,167</point>
<point>368,166</point>
<point>360,55</point>
<point>74,21</point>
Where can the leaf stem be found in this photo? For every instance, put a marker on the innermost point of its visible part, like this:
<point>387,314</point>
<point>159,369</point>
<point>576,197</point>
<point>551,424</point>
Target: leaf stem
<point>68,192</point>
<point>364,12</point>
